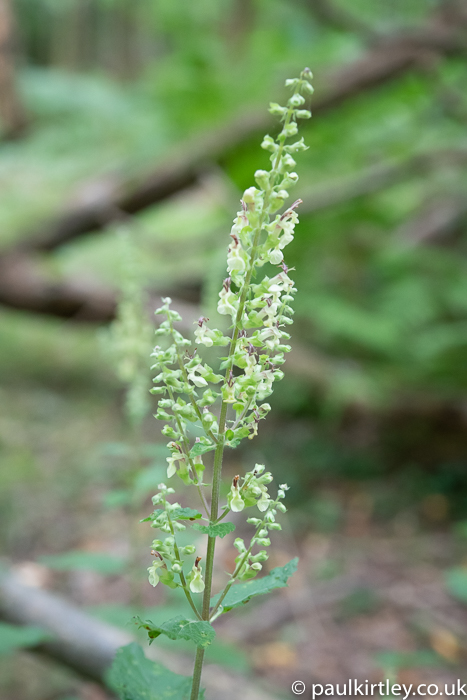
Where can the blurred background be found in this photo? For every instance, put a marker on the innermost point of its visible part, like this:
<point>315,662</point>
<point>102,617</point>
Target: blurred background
<point>129,129</point>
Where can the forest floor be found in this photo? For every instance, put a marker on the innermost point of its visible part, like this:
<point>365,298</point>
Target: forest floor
<point>370,599</point>
<point>366,606</point>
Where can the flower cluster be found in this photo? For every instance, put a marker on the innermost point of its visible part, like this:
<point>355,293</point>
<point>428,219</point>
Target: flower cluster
<point>168,560</point>
<point>251,491</point>
<point>208,409</point>
<point>248,565</point>
<point>183,373</point>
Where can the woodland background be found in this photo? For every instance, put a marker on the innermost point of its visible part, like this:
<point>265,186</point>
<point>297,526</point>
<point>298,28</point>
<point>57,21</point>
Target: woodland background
<point>128,131</point>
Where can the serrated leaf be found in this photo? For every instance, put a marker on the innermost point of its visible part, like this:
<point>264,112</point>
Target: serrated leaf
<point>243,592</point>
<point>198,631</point>
<point>217,530</point>
<point>134,677</point>
<point>199,449</point>
<point>102,563</point>
<point>14,637</point>
<point>185,514</point>
<point>177,514</point>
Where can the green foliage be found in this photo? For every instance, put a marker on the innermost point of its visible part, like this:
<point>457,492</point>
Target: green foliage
<point>456,583</point>
<point>101,563</point>
<point>199,632</point>
<point>222,652</point>
<point>185,514</point>
<point>13,637</point>
<point>218,530</point>
<point>133,677</point>
<point>242,593</point>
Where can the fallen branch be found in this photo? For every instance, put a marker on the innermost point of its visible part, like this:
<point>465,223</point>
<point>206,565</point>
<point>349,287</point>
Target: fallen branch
<point>88,646</point>
<point>24,286</point>
<point>12,113</point>
<point>387,60</point>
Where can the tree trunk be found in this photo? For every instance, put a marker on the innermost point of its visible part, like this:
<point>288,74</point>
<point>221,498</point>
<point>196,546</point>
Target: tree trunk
<point>12,114</point>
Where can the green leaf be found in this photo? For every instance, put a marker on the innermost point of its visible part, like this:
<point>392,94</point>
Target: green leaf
<point>243,592</point>
<point>13,637</point>
<point>185,514</point>
<point>197,631</point>
<point>456,583</point>
<point>79,559</point>
<point>200,449</point>
<point>408,659</point>
<point>177,514</point>
<point>217,530</point>
<point>133,677</point>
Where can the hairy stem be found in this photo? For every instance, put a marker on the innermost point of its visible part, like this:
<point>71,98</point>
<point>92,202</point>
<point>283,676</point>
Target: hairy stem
<point>197,673</point>
<point>218,458</point>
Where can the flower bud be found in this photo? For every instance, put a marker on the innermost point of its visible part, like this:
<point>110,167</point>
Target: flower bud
<point>262,178</point>
<point>261,556</point>
<point>277,110</point>
<point>269,144</point>
<point>307,88</point>
<point>239,544</point>
<point>289,130</point>
<point>275,256</point>
<point>249,195</point>
<point>188,549</point>
<point>296,100</point>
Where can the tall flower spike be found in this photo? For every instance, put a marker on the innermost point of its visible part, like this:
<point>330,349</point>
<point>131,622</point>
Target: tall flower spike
<point>256,297</point>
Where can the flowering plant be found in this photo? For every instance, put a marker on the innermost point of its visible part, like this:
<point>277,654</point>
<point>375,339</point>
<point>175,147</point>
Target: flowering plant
<point>260,309</point>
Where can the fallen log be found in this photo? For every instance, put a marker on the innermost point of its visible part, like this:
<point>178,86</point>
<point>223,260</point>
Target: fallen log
<point>24,285</point>
<point>387,59</point>
<point>87,646</point>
